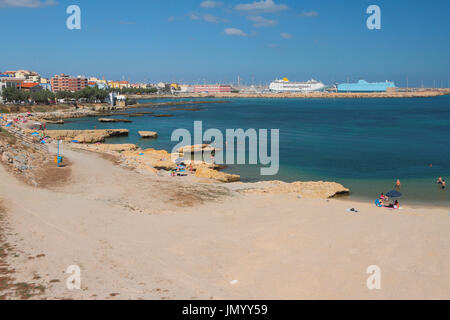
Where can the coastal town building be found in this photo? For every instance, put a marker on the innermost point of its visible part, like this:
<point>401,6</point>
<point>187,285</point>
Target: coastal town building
<point>45,84</point>
<point>100,83</point>
<point>184,88</point>
<point>119,84</point>
<point>25,75</point>
<point>214,88</point>
<point>139,86</point>
<point>30,86</point>
<point>64,82</point>
<point>8,82</point>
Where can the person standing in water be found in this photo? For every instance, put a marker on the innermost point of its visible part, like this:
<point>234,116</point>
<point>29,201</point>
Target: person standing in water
<point>398,184</point>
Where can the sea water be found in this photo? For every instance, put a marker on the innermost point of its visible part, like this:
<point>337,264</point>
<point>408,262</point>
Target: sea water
<point>365,144</point>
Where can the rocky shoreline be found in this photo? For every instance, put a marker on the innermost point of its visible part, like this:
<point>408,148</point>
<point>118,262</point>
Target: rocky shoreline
<point>313,95</point>
<point>158,162</point>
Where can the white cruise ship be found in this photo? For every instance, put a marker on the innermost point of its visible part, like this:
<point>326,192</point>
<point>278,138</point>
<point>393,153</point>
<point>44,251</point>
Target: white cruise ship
<point>284,85</point>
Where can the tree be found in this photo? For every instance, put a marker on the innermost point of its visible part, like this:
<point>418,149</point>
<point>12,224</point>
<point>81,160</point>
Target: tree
<point>64,95</point>
<point>15,95</point>
<point>43,96</point>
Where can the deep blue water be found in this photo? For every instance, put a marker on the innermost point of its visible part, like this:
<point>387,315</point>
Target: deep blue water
<point>365,144</point>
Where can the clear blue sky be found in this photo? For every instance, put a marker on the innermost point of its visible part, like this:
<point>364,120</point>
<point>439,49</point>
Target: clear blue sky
<point>191,41</point>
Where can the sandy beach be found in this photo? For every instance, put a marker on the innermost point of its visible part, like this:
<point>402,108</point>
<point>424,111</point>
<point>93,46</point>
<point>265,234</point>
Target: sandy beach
<point>138,236</point>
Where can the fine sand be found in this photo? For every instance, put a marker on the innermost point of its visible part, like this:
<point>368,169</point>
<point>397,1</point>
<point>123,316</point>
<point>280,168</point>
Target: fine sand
<point>143,237</point>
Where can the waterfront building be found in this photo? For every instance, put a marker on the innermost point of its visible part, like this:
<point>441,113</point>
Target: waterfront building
<point>30,86</point>
<point>24,75</point>
<point>46,86</point>
<point>119,84</point>
<point>64,82</point>
<point>8,82</point>
<point>100,83</point>
<point>213,88</point>
<point>364,86</point>
<point>184,88</point>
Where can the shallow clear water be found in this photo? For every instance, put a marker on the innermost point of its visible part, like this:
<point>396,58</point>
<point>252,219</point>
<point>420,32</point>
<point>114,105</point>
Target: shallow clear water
<point>365,144</point>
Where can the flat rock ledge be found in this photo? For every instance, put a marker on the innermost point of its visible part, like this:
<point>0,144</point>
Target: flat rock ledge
<point>111,120</point>
<point>151,161</point>
<point>85,136</point>
<point>148,134</point>
<point>307,190</point>
<point>217,175</point>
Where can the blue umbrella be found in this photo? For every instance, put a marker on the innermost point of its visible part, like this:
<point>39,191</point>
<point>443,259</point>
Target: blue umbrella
<point>179,160</point>
<point>394,194</point>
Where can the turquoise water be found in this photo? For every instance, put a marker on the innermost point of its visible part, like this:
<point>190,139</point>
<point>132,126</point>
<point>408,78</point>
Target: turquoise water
<point>365,144</point>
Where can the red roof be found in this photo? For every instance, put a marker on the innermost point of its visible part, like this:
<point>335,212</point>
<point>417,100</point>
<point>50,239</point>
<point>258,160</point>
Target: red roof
<point>28,85</point>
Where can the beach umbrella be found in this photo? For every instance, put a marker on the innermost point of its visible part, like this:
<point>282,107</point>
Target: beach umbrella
<point>394,194</point>
<point>179,160</point>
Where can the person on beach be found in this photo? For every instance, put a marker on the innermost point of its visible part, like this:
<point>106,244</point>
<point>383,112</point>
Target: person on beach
<point>396,204</point>
<point>398,184</point>
<point>383,199</point>
<point>444,184</point>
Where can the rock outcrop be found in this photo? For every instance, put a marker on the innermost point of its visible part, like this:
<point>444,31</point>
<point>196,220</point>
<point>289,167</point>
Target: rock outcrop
<point>85,136</point>
<point>90,137</point>
<point>163,115</point>
<point>106,148</point>
<point>21,160</point>
<point>111,120</point>
<point>47,121</point>
<point>148,134</point>
<point>164,165</point>
<point>311,190</point>
<point>149,160</point>
<point>196,148</point>
<point>216,175</point>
